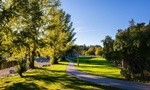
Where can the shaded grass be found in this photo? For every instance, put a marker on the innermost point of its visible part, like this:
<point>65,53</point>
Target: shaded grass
<point>47,78</point>
<point>98,66</point>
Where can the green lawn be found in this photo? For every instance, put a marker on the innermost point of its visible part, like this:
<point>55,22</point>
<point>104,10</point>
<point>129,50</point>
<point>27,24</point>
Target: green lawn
<point>98,66</point>
<point>53,77</point>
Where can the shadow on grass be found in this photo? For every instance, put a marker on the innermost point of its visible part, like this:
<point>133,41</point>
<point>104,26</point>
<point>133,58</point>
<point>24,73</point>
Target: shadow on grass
<point>68,82</point>
<point>100,62</point>
<point>64,79</point>
<point>53,77</point>
<point>25,86</point>
<point>76,83</point>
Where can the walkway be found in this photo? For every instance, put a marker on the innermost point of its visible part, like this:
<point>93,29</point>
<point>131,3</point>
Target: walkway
<point>5,72</point>
<point>41,61</point>
<point>71,70</point>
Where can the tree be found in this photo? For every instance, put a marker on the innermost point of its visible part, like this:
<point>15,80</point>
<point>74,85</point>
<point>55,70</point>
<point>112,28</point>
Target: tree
<point>22,67</point>
<point>59,34</point>
<point>25,26</point>
<point>98,51</point>
<point>91,51</point>
<point>6,14</point>
<point>132,23</point>
<point>31,26</point>
<point>108,50</point>
<point>133,45</point>
<point>78,51</point>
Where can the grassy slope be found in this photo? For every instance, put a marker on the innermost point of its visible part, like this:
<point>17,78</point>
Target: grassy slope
<point>98,66</point>
<point>53,77</point>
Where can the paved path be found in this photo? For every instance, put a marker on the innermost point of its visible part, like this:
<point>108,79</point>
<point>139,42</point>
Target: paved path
<point>71,70</point>
<point>41,61</point>
<point>5,72</point>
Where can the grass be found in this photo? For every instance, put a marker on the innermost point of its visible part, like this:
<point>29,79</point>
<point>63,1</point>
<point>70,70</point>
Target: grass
<point>47,78</point>
<point>98,66</point>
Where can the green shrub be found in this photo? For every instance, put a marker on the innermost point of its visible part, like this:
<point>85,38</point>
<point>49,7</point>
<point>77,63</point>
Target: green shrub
<point>142,76</point>
<point>136,76</point>
<point>125,73</point>
<point>22,67</point>
<point>147,75</point>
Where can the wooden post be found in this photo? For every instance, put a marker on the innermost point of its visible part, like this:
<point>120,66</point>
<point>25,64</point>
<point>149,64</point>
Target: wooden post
<point>78,59</point>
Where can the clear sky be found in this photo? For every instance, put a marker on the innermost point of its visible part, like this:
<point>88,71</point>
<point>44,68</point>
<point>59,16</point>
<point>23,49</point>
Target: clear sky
<point>94,19</point>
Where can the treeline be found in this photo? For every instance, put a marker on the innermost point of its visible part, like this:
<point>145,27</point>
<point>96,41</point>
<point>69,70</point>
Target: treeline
<point>132,47</point>
<point>91,50</point>
<point>31,28</point>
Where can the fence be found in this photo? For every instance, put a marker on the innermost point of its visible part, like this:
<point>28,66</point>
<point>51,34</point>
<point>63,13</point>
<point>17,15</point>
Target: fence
<point>4,64</point>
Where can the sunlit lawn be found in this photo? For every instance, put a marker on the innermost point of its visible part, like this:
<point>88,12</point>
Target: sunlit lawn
<point>98,66</point>
<point>52,77</point>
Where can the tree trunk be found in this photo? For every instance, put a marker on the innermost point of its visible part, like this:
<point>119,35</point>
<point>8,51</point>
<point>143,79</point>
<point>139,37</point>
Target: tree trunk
<point>115,63</point>
<point>20,73</point>
<point>124,64</point>
<point>53,57</point>
<point>53,60</point>
<point>32,60</point>
<point>32,57</point>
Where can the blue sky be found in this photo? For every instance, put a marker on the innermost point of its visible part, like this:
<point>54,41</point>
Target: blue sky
<point>94,19</point>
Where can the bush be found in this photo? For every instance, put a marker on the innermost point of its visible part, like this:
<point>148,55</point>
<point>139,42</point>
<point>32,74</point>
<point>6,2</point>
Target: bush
<point>146,75</point>
<point>143,76</point>
<point>22,67</point>
<point>125,73</point>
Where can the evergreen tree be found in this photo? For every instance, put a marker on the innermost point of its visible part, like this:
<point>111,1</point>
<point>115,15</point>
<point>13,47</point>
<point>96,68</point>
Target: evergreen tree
<point>59,35</point>
<point>30,25</point>
<point>108,48</point>
<point>6,14</point>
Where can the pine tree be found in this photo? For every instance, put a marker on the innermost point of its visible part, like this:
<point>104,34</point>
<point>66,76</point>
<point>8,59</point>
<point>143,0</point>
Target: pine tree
<point>60,34</point>
<point>5,31</point>
<point>31,25</point>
